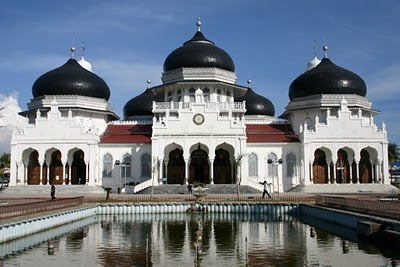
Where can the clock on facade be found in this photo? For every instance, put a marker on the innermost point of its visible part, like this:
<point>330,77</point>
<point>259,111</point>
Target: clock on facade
<point>198,119</point>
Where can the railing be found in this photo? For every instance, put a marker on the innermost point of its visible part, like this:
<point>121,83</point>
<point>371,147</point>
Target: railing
<point>8,211</point>
<point>218,198</point>
<point>209,105</point>
<point>383,208</point>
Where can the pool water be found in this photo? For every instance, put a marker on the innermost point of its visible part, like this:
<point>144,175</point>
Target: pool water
<point>225,239</point>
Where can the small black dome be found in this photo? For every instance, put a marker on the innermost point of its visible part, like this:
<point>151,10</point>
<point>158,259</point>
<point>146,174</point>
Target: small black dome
<point>140,105</point>
<point>256,104</point>
<point>71,79</point>
<point>199,52</point>
<point>327,78</point>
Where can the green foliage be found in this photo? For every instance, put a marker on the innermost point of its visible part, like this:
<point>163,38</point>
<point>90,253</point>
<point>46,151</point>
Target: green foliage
<point>394,152</point>
<point>5,160</point>
<point>197,184</point>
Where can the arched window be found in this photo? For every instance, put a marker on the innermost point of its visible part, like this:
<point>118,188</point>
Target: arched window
<point>192,97</point>
<point>253,165</point>
<point>126,166</point>
<point>206,94</point>
<point>219,95</point>
<point>291,165</point>
<point>179,95</point>
<point>107,165</point>
<point>272,165</point>
<point>146,165</point>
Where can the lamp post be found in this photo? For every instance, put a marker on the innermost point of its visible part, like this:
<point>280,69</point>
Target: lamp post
<point>117,163</point>
<point>126,164</point>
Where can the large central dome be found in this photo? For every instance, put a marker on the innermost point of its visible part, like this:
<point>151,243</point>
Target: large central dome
<point>199,52</point>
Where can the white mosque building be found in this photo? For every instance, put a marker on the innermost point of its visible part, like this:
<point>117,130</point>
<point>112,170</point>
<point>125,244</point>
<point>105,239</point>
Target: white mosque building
<point>200,126</point>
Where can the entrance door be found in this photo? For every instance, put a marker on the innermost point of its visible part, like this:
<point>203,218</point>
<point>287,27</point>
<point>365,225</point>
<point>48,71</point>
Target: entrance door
<point>176,167</point>
<point>199,167</point>
<point>320,168</point>
<point>222,167</point>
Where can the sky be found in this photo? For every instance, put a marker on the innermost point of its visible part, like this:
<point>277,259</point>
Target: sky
<point>270,42</point>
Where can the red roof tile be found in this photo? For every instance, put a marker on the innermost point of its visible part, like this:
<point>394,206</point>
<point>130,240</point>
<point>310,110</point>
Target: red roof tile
<point>270,133</point>
<point>127,133</point>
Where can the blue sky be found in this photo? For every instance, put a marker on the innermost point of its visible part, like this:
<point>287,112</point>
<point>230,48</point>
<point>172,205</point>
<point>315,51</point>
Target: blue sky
<point>270,42</point>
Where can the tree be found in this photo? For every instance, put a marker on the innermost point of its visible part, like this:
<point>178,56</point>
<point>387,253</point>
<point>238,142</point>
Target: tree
<point>394,152</point>
<point>4,162</point>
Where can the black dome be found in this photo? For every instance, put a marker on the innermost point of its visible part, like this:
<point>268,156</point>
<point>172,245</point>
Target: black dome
<point>71,79</point>
<point>140,105</point>
<point>256,104</point>
<point>327,78</point>
<point>199,52</point>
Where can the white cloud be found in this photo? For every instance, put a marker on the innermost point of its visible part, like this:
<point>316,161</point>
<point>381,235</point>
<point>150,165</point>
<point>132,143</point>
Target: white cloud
<point>385,84</point>
<point>9,119</point>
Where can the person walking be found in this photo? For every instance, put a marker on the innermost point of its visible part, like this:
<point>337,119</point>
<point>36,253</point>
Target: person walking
<point>265,191</point>
<point>53,192</point>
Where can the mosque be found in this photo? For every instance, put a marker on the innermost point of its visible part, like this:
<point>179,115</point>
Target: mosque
<point>199,126</point>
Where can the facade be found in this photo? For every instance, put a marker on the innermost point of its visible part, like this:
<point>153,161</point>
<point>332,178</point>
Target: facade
<point>199,126</point>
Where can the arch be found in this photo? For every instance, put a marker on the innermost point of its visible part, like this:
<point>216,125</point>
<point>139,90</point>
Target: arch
<point>291,165</point>
<point>145,163</point>
<point>222,167</point>
<point>176,167</point>
<point>320,167</point>
<point>199,168</point>
<point>342,166</point>
<point>33,174</point>
<point>78,168</point>
<point>56,175</point>
<point>126,165</point>
<point>253,165</point>
<point>107,165</point>
<point>365,167</point>
<point>272,167</point>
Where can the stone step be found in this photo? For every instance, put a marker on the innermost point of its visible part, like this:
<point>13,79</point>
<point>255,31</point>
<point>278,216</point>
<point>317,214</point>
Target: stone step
<point>211,189</point>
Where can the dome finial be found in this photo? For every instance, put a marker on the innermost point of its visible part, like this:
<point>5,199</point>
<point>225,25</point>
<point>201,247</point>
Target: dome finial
<point>73,48</point>
<point>148,84</point>
<point>315,48</point>
<point>325,48</point>
<point>83,49</point>
<point>248,83</point>
<point>198,23</point>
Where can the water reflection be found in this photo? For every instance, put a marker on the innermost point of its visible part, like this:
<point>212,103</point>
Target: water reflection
<point>226,239</point>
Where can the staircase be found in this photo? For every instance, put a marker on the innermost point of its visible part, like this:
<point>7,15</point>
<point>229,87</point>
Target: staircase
<point>211,189</point>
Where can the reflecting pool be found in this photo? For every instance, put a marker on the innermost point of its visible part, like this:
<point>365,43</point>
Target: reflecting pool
<point>208,239</point>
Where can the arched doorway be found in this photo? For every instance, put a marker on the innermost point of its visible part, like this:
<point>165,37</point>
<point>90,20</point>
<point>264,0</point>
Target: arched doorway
<point>78,168</point>
<point>56,175</point>
<point>176,167</point>
<point>33,168</point>
<point>199,166</point>
<point>320,168</point>
<point>222,167</point>
<point>365,168</point>
<point>342,167</point>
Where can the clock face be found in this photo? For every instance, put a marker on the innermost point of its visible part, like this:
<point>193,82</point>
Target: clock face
<point>198,119</point>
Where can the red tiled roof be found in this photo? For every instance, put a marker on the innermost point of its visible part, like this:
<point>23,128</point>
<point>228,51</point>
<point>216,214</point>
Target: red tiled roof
<point>270,133</point>
<point>127,133</point>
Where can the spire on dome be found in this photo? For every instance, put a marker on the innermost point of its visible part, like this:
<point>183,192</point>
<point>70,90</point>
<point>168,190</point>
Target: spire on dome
<point>148,84</point>
<point>73,48</point>
<point>198,23</point>
<point>325,48</point>
<point>315,61</point>
<point>85,64</point>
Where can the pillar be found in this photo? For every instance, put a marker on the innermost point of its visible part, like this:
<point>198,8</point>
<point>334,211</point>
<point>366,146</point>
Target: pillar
<point>41,172</point>
<point>311,171</point>
<point>63,163</point>
<point>186,171</point>
<point>357,172</point>
<point>334,165</point>
<point>211,171</point>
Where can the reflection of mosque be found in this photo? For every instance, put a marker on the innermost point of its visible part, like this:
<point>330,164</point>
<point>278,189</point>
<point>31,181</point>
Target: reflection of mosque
<point>199,126</point>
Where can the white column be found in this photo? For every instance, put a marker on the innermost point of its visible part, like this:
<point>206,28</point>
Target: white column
<point>69,173</point>
<point>41,172</point>
<point>186,171</point>
<point>87,173</point>
<point>357,172</point>
<point>211,171</point>
<point>166,169</point>
<point>375,170</point>
<point>160,170</point>
<point>63,163</point>
<point>25,176</point>
<point>48,173</point>
<point>334,165</point>
<point>311,171</point>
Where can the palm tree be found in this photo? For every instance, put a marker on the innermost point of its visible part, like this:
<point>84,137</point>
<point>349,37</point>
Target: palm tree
<point>394,152</point>
<point>4,162</point>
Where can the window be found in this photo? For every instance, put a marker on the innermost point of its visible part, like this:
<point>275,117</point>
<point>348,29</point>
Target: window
<point>219,95</point>
<point>146,165</point>
<point>192,98</point>
<point>126,167</point>
<point>272,167</point>
<point>253,165</point>
<point>107,165</point>
<point>291,165</point>
<point>206,94</point>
